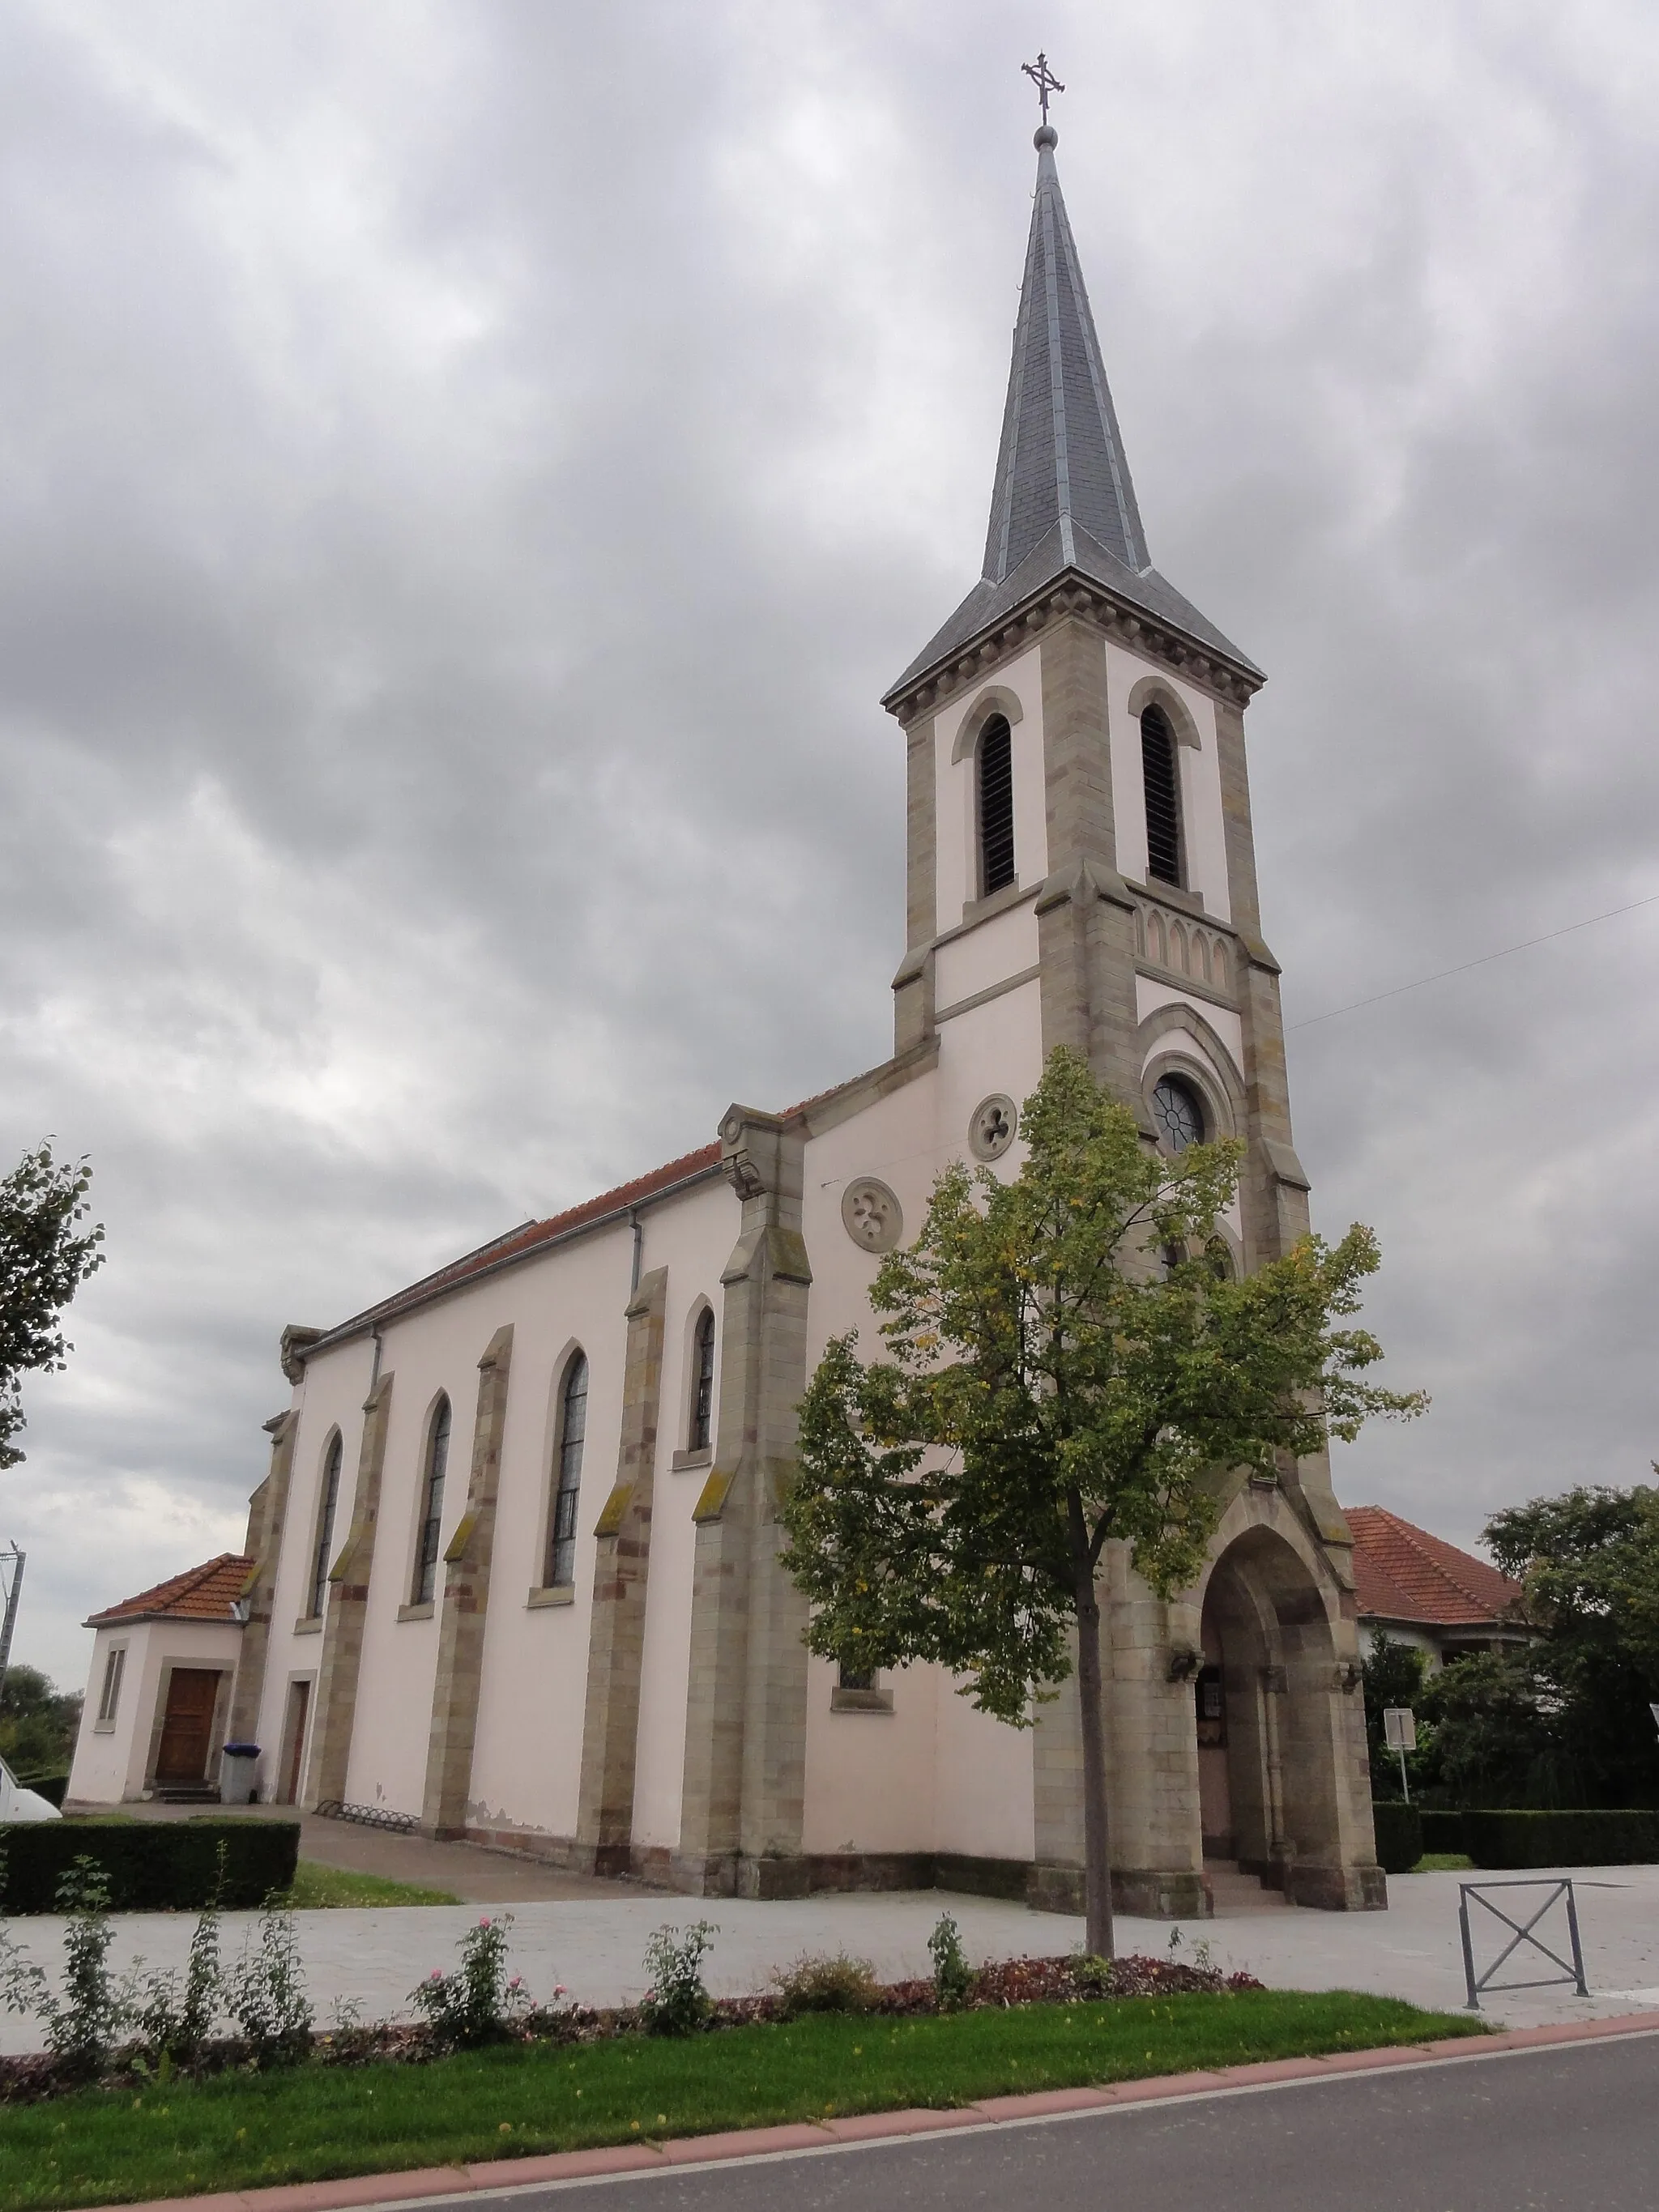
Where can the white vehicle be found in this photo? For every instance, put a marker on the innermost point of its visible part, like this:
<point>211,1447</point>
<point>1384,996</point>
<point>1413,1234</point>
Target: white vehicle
<point>17,1803</point>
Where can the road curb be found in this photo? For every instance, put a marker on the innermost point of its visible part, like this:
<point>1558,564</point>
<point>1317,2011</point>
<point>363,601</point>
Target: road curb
<point>500,2176</point>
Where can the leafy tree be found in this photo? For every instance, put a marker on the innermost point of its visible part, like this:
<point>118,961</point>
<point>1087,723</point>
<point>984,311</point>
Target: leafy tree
<point>1393,1674</point>
<point>44,1257</point>
<point>1500,1732</point>
<point>1588,1564</point>
<point>1069,1367</point>
<point>37,1723</point>
<point>1563,1720</point>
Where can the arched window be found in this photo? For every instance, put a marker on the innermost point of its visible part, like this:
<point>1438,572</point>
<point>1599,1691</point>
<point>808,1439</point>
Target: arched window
<point>432,1505</point>
<point>701,1430</point>
<point>1179,1113</point>
<point>331,1498</point>
<point>1163,784</point>
<point>996,805</point>
<point>573,1427</point>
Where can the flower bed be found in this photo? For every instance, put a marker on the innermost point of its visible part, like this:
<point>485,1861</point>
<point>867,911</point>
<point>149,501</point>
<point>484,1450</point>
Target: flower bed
<point>998,1986</point>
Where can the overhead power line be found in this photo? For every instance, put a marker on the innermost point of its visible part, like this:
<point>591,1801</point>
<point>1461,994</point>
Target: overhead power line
<point>1463,966</point>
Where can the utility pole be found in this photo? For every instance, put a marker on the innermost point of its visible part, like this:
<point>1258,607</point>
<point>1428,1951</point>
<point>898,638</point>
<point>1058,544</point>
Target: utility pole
<point>14,1591</point>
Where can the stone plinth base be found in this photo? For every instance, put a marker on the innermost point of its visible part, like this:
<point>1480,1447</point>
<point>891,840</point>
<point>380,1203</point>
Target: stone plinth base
<point>1338,1889</point>
<point>1147,1893</point>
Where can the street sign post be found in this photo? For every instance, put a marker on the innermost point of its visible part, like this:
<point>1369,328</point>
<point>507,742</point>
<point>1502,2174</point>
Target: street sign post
<point>1399,1732</point>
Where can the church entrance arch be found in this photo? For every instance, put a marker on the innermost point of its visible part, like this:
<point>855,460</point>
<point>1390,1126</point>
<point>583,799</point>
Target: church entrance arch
<point>1272,1734</point>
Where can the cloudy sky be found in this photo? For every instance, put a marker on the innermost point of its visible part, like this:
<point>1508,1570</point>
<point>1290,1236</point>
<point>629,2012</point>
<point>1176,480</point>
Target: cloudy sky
<point>467,471</point>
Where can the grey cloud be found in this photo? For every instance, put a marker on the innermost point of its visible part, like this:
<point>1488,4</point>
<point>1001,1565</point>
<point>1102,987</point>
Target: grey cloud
<point>466,482</point>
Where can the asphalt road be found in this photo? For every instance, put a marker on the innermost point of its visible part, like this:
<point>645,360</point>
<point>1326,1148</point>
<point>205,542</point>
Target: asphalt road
<point>1563,2131</point>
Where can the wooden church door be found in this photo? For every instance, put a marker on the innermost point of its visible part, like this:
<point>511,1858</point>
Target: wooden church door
<point>187,1725</point>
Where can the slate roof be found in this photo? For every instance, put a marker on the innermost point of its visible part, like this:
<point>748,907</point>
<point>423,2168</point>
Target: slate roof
<point>202,1593</point>
<point>1402,1573</point>
<point>1063,498</point>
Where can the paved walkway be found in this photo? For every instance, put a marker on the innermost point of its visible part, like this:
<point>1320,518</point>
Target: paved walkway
<point>476,1876</point>
<point>593,1944</point>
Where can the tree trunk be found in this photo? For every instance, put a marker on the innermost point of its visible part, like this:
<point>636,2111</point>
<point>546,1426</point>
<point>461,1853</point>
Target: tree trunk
<point>1096,1825</point>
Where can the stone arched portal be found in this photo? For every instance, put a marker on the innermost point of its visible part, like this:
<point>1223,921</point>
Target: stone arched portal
<point>1275,1723</point>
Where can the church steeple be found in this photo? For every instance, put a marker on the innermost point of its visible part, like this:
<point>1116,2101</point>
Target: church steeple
<point>1063,503</point>
<point>1061,464</point>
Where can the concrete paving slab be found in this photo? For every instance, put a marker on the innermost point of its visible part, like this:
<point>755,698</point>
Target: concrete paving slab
<point>592,1947</point>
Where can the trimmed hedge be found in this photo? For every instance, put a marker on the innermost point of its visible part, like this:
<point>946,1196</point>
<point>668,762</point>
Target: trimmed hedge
<point>52,1787</point>
<point>1399,1836</point>
<point>151,1866</point>
<point>1442,1832</point>
<point>1561,1838</point>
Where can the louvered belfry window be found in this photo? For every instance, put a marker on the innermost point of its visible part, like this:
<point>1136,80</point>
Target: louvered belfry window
<point>996,806</point>
<point>573,1430</point>
<point>1158,762</point>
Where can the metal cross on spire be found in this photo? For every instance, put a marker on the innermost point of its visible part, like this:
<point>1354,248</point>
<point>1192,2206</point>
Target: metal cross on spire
<point>1043,78</point>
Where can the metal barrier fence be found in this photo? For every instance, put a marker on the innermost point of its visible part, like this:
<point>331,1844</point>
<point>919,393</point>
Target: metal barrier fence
<point>367,1816</point>
<point>1521,1932</point>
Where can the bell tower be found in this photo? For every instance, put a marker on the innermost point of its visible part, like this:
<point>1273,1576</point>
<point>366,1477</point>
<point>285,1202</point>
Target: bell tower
<point>1078,810</point>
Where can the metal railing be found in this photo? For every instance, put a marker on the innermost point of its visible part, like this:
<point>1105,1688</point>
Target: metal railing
<point>367,1816</point>
<point>1521,1931</point>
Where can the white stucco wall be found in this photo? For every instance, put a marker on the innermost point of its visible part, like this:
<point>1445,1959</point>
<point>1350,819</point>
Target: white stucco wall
<point>933,1775</point>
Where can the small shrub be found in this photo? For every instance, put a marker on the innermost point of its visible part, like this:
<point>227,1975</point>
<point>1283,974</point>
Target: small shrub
<point>953,1977</point>
<point>676,2003</point>
<point>474,2005</point>
<point>175,2021</point>
<point>835,1983</point>
<point>85,2020</point>
<point>1398,1829</point>
<point>265,1995</point>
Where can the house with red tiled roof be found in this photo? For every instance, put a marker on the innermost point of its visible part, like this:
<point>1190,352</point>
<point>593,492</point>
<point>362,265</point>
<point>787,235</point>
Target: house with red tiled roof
<point>163,1667</point>
<point>516,1571</point>
<point>1418,1589</point>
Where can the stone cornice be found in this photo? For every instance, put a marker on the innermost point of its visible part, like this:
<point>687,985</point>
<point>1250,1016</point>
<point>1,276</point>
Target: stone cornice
<point>1080,596</point>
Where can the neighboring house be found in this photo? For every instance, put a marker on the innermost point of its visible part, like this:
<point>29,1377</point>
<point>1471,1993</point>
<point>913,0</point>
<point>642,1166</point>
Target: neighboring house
<point>517,1571</point>
<point>1420,1590</point>
<point>159,1696</point>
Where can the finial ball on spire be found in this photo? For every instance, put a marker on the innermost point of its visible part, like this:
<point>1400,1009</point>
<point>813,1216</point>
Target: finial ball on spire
<point>1045,138</point>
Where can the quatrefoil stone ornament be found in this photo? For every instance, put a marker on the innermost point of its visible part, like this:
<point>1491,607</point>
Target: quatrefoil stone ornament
<point>992,1129</point>
<point>871,1214</point>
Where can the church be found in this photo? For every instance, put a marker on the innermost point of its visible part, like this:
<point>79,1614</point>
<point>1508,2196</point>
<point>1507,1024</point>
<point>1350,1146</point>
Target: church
<point>512,1574</point>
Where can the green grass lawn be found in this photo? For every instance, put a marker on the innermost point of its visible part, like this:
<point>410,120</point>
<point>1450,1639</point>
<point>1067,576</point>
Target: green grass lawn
<point>102,2147</point>
<point>1442,1862</point>
<point>317,1886</point>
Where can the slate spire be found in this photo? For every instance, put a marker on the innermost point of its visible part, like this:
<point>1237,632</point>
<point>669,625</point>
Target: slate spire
<point>1063,502</point>
<point>1062,461</point>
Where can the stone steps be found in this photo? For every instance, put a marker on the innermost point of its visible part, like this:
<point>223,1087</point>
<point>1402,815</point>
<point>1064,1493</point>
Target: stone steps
<point>1236,1891</point>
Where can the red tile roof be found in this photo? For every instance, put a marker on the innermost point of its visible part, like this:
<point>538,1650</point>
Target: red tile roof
<point>1403,1573</point>
<point>203,1594</point>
